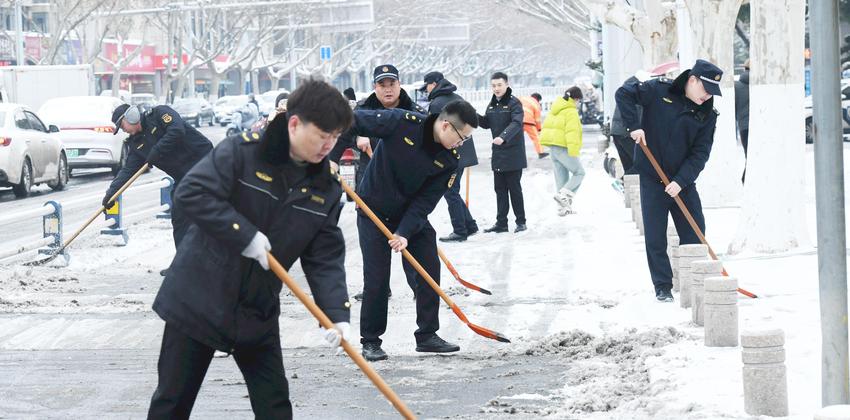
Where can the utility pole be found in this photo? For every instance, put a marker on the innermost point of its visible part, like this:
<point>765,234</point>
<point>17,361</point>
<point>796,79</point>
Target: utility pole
<point>829,188</point>
<point>19,34</point>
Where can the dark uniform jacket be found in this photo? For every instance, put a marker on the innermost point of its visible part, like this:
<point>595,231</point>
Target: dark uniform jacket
<point>349,139</point>
<point>678,132</point>
<point>220,298</point>
<point>618,127</point>
<point>166,142</point>
<point>742,101</point>
<point>409,172</point>
<point>504,119</point>
<point>442,94</point>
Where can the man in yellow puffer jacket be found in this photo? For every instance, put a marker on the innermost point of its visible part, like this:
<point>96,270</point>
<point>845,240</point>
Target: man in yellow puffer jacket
<point>562,132</point>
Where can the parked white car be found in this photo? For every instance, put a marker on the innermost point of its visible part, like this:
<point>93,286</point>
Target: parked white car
<point>30,152</point>
<point>123,95</point>
<point>266,101</point>
<point>87,130</point>
<point>845,112</point>
<point>227,105</point>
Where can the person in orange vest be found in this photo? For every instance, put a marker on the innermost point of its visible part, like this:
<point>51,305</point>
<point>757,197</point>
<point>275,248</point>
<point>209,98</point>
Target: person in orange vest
<point>531,122</point>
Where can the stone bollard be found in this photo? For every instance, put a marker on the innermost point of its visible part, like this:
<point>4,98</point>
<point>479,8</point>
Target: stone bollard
<point>628,182</point>
<point>673,254</point>
<point>701,270</point>
<point>634,193</point>
<point>765,381</point>
<point>833,412</point>
<point>688,255</point>
<point>721,312</point>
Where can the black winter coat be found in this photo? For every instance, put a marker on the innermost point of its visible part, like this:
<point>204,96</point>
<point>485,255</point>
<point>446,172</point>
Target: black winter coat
<point>679,133</point>
<point>504,119</point>
<point>349,140</point>
<point>442,94</point>
<point>409,173</point>
<point>166,142</point>
<point>220,298</point>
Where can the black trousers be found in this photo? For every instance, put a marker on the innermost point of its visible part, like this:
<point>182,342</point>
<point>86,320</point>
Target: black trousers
<point>626,149</point>
<point>462,222</point>
<point>183,363</point>
<point>377,260</point>
<point>656,205</point>
<point>507,184</point>
<point>745,138</point>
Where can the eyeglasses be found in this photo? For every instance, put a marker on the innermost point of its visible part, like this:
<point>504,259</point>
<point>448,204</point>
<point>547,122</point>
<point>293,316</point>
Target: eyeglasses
<point>462,138</point>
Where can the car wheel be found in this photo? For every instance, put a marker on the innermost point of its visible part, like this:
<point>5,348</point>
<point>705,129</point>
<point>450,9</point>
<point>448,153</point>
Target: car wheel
<point>62,178</point>
<point>810,131</point>
<point>212,120</point>
<point>22,189</point>
<point>198,121</point>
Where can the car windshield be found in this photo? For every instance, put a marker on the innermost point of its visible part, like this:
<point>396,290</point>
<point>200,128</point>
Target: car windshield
<point>185,105</point>
<point>65,111</point>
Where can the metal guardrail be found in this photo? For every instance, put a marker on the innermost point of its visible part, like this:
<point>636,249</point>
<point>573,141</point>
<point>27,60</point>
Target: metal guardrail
<point>113,223</point>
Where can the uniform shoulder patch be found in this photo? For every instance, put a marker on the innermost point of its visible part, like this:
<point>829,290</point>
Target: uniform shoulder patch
<point>409,141</point>
<point>452,180</point>
<point>667,100</point>
<point>167,118</point>
<point>439,164</point>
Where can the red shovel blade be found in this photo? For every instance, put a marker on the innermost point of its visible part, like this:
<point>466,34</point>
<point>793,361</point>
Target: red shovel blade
<point>484,332</point>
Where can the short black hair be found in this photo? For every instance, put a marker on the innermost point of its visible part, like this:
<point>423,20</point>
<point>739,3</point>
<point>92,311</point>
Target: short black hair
<point>461,111</point>
<point>499,75</point>
<point>537,96</point>
<point>317,102</point>
<point>349,94</point>
<point>574,92</point>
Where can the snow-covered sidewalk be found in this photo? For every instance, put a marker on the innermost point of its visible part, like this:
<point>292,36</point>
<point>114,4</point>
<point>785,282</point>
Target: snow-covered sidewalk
<point>573,294</point>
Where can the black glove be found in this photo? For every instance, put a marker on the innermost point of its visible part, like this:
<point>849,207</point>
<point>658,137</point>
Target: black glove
<point>107,204</point>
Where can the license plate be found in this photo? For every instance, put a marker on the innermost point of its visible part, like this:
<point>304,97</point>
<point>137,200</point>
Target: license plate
<point>72,153</point>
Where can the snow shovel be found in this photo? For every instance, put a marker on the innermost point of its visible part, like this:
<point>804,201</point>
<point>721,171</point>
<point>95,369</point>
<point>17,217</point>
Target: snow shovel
<point>687,214</point>
<point>484,332</point>
<point>323,319</point>
<point>94,216</point>
<point>457,276</point>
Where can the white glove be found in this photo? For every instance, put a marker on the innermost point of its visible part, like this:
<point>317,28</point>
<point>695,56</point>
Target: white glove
<point>258,250</point>
<point>334,336</point>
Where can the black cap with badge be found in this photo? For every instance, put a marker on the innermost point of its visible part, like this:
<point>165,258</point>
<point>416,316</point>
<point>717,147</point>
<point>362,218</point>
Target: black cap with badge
<point>385,71</point>
<point>710,75</point>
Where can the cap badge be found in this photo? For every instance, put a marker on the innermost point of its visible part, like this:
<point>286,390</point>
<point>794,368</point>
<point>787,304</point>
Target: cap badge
<point>385,69</point>
<point>717,77</point>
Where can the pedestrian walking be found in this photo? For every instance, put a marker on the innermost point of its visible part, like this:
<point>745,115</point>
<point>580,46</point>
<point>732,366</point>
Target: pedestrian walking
<point>562,133</point>
<point>532,121</point>
<point>504,118</point>
<point>678,127</point>
<point>161,138</point>
<point>252,195</point>
<point>441,92</point>
<point>413,166</point>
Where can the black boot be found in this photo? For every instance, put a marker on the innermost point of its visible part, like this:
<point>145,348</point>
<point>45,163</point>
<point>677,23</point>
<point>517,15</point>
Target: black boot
<point>496,229</point>
<point>435,344</point>
<point>373,352</point>
<point>454,237</point>
<point>520,228</point>
<point>163,272</point>
<point>664,296</point>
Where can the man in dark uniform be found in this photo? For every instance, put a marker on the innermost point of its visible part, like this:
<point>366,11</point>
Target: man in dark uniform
<point>678,128</point>
<point>388,95</point>
<point>413,166</point>
<point>252,195</point>
<point>441,92</point>
<point>504,118</point>
<point>161,138</point>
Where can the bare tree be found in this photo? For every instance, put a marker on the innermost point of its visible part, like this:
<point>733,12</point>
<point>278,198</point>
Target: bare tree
<point>121,29</point>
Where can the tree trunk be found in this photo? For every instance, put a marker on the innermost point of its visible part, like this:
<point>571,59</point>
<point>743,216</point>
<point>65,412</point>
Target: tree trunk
<point>773,209</point>
<point>215,82</point>
<point>712,29</point>
<point>116,81</point>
